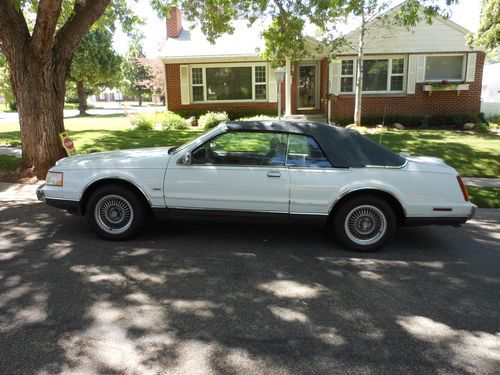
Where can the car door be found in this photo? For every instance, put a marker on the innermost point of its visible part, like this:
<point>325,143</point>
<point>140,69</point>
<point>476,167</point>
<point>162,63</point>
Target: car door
<point>235,171</point>
<point>314,183</point>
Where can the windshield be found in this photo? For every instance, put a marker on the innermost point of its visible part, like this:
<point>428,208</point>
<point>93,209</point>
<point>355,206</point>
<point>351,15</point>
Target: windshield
<point>199,139</point>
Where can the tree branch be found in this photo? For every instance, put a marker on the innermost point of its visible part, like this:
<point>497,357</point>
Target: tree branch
<point>13,28</point>
<point>85,13</point>
<point>46,22</point>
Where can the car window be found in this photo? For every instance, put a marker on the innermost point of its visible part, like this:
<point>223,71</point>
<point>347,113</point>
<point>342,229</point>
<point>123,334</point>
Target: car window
<point>243,148</point>
<point>303,151</point>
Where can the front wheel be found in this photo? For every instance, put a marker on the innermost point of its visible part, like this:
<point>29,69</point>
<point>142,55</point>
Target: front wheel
<point>116,213</point>
<point>364,223</point>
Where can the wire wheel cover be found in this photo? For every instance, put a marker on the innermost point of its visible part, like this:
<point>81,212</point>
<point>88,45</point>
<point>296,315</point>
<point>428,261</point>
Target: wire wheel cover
<point>114,214</point>
<point>365,225</point>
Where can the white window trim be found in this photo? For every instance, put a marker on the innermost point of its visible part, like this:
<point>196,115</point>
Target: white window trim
<point>228,65</point>
<point>464,67</point>
<point>389,74</point>
<point>353,76</point>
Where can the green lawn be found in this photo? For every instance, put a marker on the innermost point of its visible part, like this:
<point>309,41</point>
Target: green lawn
<point>472,154</point>
<point>485,197</point>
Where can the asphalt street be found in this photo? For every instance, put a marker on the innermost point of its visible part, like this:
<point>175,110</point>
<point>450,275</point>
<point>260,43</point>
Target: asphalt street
<point>232,298</point>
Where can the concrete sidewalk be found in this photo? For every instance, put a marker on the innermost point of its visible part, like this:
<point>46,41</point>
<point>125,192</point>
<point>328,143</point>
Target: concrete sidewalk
<point>10,192</point>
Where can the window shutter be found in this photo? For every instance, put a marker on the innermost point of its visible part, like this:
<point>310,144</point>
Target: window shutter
<point>412,74</point>
<point>185,84</point>
<point>334,77</point>
<point>420,68</point>
<point>471,67</point>
<point>273,87</point>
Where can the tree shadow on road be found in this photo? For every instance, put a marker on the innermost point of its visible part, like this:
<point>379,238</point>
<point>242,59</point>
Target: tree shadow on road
<point>238,298</point>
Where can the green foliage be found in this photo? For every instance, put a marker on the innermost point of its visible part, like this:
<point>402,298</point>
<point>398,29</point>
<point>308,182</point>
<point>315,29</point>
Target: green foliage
<point>142,121</point>
<point>172,121</point>
<point>454,121</point>
<point>494,120</point>
<point>5,86</point>
<point>482,127</point>
<point>488,34</point>
<point>157,120</point>
<point>134,72</point>
<point>95,62</point>
<point>212,119</point>
<point>233,114</point>
<point>485,197</point>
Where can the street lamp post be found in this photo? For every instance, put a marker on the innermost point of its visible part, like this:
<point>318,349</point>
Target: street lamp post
<point>279,74</point>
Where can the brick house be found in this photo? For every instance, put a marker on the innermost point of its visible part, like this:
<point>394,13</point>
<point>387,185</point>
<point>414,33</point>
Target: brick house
<point>404,71</point>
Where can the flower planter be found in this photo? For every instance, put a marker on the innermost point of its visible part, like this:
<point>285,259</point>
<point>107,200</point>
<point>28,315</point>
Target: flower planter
<point>449,87</point>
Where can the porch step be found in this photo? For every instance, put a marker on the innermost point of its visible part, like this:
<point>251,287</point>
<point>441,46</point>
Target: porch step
<point>320,117</point>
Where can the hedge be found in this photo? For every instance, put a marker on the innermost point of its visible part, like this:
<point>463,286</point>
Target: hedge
<point>441,121</point>
<point>233,114</point>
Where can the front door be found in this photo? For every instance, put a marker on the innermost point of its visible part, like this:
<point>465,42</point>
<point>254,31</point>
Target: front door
<point>236,171</point>
<point>307,87</point>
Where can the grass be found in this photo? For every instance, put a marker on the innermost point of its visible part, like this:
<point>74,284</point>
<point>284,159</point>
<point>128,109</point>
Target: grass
<point>485,197</point>
<point>8,162</point>
<point>472,154</point>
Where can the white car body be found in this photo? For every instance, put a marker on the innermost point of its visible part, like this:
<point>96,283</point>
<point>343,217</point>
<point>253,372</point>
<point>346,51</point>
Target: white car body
<point>425,187</point>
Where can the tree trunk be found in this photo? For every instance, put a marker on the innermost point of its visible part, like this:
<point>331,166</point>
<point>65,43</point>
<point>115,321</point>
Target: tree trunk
<point>359,72</point>
<point>82,98</point>
<point>39,87</point>
<point>140,97</point>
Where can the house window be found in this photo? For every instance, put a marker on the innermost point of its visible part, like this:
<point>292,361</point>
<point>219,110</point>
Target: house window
<point>229,83</point>
<point>438,68</point>
<point>197,84</point>
<point>379,75</point>
<point>260,83</point>
<point>347,76</point>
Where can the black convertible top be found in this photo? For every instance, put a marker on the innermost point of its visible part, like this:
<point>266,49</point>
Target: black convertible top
<point>343,147</point>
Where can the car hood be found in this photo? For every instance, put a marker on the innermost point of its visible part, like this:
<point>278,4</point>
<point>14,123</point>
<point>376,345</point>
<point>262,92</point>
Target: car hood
<point>150,158</point>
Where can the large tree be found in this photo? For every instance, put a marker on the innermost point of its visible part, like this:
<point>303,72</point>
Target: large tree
<point>95,65</point>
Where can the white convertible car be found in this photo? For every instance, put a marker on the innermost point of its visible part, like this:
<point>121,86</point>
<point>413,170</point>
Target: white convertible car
<point>273,170</point>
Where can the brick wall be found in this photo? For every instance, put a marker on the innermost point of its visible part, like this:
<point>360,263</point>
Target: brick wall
<point>421,103</point>
<point>174,96</point>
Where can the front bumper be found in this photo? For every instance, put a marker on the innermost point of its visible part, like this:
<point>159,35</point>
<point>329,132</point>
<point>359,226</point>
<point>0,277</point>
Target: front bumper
<point>73,207</point>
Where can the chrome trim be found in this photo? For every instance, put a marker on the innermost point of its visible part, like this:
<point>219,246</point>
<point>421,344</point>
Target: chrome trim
<point>388,166</point>
<point>367,188</point>
<point>225,209</point>
<point>114,178</point>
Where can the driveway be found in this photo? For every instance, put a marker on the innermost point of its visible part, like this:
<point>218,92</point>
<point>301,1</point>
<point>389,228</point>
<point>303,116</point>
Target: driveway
<point>211,298</point>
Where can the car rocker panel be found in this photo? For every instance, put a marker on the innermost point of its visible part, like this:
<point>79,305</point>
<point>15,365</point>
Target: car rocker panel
<point>284,169</point>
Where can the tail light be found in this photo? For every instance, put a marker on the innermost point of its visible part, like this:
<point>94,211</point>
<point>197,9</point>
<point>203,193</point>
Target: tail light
<point>463,188</point>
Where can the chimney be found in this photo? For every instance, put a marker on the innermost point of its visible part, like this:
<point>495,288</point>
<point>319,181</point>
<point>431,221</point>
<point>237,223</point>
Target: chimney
<point>174,23</point>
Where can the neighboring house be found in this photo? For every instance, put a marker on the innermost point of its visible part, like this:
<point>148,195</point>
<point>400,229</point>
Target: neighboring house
<point>398,64</point>
<point>491,90</point>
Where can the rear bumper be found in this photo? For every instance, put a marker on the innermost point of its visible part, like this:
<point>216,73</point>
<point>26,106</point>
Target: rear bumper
<point>446,220</point>
<point>73,207</point>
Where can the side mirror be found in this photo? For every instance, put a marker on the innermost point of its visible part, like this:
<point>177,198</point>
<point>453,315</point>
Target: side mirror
<point>186,159</point>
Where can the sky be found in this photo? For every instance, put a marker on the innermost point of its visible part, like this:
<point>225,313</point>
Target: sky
<point>465,13</point>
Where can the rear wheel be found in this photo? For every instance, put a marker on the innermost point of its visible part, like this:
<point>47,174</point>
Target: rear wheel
<point>116,212</point>
<point>364,223</point>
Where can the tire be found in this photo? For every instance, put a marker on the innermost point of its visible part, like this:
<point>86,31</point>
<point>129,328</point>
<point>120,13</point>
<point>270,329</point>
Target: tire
<point>364,223</point>
<point>116,212</point>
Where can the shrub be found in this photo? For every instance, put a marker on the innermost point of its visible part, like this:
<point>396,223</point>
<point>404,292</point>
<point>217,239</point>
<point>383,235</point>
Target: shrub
<point>482,127</point>
<point>231,113</point>
<point>494,119</point>
<point>454,121</point>
<point>170,120</point>
<point>142,121</point>
<point>212,119</point>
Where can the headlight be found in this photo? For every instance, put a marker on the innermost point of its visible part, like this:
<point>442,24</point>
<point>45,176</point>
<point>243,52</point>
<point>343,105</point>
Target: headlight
<point>54,179</point>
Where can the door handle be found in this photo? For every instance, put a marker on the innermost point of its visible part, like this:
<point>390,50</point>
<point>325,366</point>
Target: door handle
<point>273,174</point>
